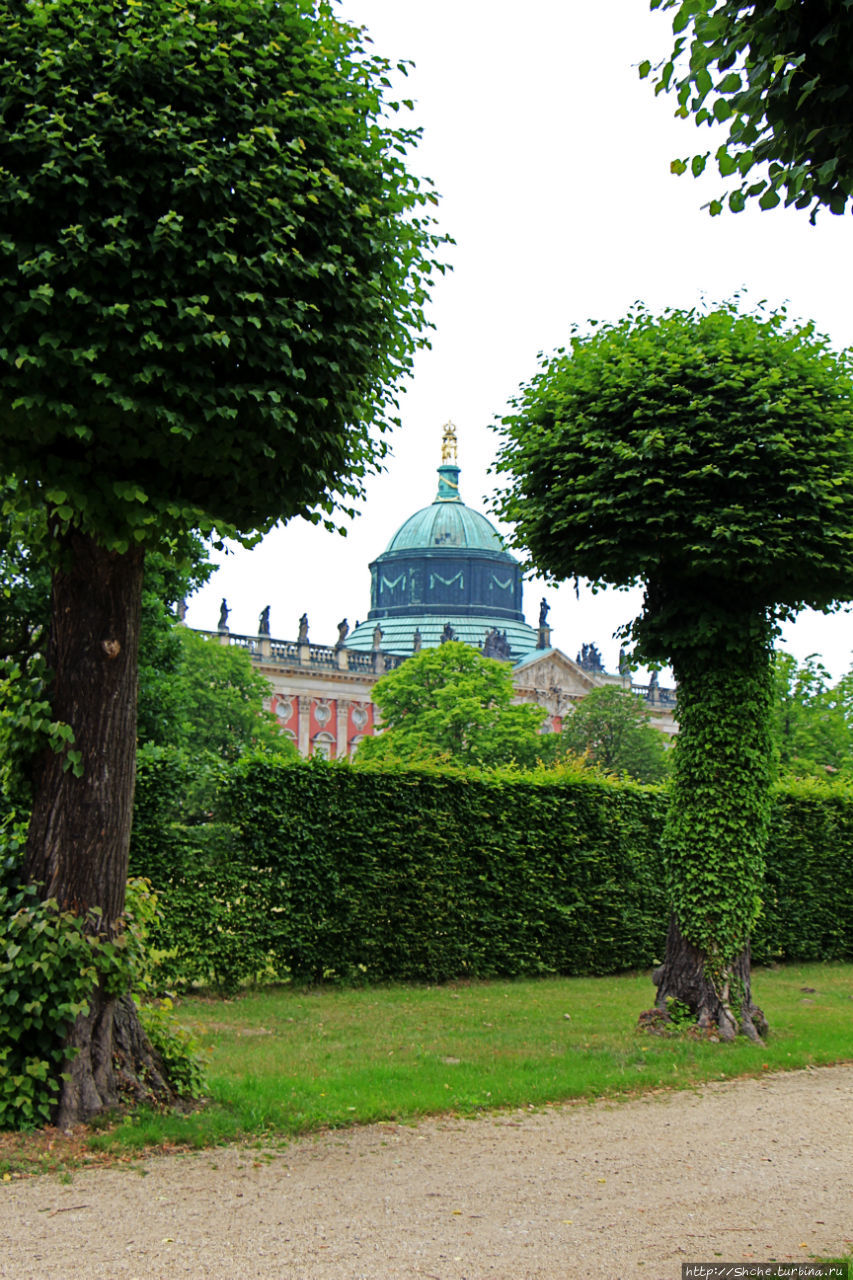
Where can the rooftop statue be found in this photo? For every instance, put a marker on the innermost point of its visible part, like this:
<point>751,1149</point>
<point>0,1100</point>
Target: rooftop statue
<point>589,659</point>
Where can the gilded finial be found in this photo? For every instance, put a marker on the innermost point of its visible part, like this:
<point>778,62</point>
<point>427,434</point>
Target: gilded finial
<point>448,443</point>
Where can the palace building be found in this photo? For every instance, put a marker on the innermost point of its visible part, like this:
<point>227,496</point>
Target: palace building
<point>445,575</point>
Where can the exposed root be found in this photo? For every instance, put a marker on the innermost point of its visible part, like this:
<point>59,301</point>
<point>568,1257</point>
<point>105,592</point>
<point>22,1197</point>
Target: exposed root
<point>115,1063</point>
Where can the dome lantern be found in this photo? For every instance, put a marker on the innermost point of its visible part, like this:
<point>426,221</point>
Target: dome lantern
<point>448,472</point>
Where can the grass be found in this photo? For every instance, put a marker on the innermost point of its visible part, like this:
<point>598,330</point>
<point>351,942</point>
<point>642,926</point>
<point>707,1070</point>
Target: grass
<point>284,1062</point>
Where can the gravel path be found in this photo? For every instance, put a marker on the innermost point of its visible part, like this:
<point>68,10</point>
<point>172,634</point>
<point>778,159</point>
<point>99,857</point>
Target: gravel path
<point>747,1170</point>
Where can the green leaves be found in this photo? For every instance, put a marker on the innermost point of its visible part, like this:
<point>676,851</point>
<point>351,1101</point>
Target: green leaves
<point>813,722</point>
<point>706,452</point>
<point>612,728</point>
<point>206,699</point>
<point>50,964</point>
<point>46,974</point>
<point>329,873</point>
<point>214,261</point>
<point>708,455</point>
<point>450,703</point>
<point>715,837</point>
<point>776,74</point>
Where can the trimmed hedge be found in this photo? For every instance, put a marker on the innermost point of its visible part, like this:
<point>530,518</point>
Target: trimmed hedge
<point>807,896</point>
<point>324,872</point>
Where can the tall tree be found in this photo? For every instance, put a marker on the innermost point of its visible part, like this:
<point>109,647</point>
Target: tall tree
<point>612,728</point>
<point>708,456</point>
<point>775,74</point>
<point>452,704</point>
<point>213,264</point>
<point>814,719</point>
<point>208,700</point>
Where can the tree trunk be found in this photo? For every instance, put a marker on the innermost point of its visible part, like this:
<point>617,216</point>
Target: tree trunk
<point>685,976</point>
<point>79,834</point>
<point>716,827</point>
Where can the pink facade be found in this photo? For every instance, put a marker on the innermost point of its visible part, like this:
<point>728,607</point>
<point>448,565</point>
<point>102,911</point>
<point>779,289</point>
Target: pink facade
<point>327,726</point>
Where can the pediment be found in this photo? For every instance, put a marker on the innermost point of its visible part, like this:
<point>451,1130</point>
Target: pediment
<point>554,670</point>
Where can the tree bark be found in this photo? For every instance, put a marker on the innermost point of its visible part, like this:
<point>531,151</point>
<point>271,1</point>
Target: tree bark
<point>79,834</point>
<point>715,833</point>
<point>684,976</point>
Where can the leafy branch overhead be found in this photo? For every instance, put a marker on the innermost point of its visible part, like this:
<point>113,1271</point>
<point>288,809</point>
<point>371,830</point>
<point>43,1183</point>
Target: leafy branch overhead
<point>774,76</point>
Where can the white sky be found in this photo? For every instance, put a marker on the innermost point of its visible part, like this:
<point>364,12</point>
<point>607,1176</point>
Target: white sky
<point>552,159</point>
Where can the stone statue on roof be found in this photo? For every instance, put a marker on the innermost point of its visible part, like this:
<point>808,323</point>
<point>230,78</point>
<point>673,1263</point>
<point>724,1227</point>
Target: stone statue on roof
<point>497,646</point>
<point>589,659</point>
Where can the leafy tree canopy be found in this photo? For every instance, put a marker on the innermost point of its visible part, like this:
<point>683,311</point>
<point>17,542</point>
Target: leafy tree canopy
<point>213,261</point>
<point>813,719</point>
<point>775,74</point>
<point>210,701</point>
<point>213,264</point>
<point>611,727</point>
<point>451,703</point>
<point>707,454</point>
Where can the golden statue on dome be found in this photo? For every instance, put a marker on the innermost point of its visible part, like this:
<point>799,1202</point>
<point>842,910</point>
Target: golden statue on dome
<point>448,443</point>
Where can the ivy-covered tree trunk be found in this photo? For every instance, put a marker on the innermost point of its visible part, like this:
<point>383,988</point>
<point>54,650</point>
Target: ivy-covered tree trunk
<point>79,834</point>
<point>716,831</point>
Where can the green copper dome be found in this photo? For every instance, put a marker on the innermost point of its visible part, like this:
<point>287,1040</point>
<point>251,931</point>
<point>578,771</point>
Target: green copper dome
<point>447,523</point>
<point>445,572</point>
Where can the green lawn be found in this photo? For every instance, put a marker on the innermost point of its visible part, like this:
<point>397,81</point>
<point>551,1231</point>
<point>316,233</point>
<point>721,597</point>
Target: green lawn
<point>285,1062</point>
<point>282,1062</point>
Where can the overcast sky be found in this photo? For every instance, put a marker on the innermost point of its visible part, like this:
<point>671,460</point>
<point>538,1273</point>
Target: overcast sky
<point>552,159</point>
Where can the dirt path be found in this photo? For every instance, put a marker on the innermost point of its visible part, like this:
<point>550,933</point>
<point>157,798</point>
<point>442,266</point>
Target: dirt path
<point>748,1170</point>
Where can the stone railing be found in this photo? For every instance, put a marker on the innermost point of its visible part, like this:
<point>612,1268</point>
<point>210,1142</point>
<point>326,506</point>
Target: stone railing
<point>654,695</point>
<point>304,654</point>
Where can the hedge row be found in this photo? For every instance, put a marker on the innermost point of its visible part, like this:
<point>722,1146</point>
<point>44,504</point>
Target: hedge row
<point>325,872</point>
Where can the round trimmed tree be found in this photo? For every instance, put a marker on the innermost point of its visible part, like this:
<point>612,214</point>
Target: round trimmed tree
<point>213,264</point>
<point>709,457</point>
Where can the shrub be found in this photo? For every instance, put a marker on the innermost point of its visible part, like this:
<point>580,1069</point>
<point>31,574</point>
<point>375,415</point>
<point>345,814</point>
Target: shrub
<point>47,972</point>
<point>50,965</point>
